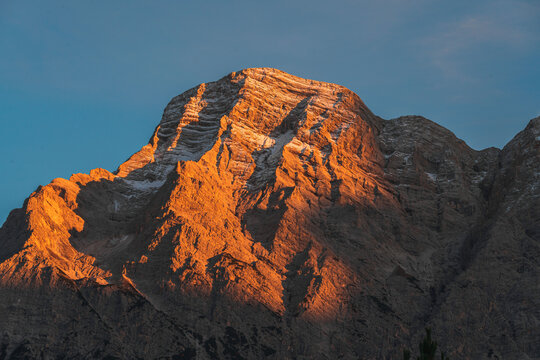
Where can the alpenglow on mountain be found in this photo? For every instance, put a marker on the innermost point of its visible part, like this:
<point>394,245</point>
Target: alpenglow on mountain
<point>271,216</point>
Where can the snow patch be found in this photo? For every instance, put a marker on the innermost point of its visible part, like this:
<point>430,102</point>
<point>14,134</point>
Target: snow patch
<point>336,134</point>
<point>406,158</point>
<point>145,185</point>
<point>479,178</point>
<point>118,240</point>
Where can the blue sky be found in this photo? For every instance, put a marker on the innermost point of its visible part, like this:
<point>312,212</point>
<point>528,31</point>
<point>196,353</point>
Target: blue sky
<point>83,84</point>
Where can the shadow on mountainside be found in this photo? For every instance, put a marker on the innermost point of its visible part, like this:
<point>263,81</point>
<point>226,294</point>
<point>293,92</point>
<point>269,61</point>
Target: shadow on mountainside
<point>262,225</point>
<point>12,238</point>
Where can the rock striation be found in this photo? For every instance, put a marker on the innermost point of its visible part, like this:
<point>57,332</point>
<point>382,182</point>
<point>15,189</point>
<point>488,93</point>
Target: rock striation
<point>271,216</point>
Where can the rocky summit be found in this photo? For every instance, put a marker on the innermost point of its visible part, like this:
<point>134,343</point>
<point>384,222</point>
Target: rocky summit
<point>271,216</point>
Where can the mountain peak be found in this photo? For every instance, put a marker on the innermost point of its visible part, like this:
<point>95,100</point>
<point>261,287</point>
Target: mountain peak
<point>271,216</point>
<point>253,108</point>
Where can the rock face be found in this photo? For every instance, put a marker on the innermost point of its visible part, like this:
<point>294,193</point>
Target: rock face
<point>275,217</point>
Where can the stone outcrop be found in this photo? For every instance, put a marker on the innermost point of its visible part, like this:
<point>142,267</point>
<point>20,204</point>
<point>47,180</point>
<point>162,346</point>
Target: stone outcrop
<point>276,217</point>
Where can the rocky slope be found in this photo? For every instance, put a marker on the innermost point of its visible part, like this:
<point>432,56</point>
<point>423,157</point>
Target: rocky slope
<point>275,217</point>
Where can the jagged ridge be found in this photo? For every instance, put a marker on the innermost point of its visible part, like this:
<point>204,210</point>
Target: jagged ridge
<point>276,216</point>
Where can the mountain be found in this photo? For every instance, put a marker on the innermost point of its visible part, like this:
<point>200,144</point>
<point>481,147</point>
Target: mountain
<point>271,216</point>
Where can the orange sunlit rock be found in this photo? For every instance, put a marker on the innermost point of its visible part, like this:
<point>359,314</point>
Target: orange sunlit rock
<point>269,212</point>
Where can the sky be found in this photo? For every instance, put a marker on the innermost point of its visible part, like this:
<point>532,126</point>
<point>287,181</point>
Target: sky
<point>83,84</point>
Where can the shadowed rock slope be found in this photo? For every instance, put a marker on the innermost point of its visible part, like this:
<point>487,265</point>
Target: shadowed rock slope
<point>275,217</point>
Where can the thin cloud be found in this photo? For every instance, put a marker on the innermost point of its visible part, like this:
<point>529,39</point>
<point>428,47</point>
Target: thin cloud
<point>501,26</point>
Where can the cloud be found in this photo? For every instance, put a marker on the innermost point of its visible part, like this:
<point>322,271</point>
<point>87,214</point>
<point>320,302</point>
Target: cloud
<point>505,25</point>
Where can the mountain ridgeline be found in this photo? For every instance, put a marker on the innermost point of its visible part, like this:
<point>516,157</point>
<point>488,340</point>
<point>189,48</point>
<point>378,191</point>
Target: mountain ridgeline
<point>271,216</point>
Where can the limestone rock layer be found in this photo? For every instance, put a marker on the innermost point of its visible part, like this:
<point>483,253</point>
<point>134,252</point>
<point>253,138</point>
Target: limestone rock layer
<point>271,216</point>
